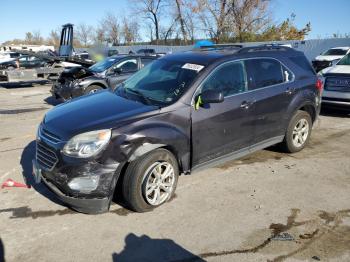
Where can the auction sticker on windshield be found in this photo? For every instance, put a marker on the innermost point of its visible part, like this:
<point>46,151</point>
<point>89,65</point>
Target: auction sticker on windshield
<point>194,67</point>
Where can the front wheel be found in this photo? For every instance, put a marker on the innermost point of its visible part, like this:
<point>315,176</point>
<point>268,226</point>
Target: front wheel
<point>92,89</point>
<point>151,180</point>
<point>298,132</point>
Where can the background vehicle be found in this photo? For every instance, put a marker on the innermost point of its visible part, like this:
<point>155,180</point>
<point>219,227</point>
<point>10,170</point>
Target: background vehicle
<point>183,112</point>
<point>8,56</point>
<point>146,51</point>
<point>337,84</point>
<point>109,72</point>
<point>25,62</point>
<point>329,57</point>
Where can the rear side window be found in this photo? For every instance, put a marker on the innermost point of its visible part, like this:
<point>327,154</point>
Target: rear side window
<point>146,61</point>
<point>302,62</point>
<point>264,72</point>
<point>229,79</point>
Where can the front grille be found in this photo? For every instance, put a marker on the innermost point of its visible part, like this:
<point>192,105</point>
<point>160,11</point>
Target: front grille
<point>49,136</point>
<point>337,84</point>
<point>45,156</point>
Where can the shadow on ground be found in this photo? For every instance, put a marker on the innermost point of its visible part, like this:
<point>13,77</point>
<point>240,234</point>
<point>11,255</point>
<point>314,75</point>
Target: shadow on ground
<point>335,112</point>
<point>23,84</point>
<point>27,171</point>
<point>52,101</point>
<point>144,248</point>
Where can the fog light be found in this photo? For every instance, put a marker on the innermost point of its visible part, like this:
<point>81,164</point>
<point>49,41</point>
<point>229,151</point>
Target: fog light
<point>84,184</point>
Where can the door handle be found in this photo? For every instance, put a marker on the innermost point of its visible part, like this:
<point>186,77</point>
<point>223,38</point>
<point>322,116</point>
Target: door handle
<point>247,104</point>
<point>290,90</point>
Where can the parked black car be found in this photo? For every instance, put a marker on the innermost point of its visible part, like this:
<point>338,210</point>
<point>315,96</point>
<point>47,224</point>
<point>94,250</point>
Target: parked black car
<point>78,81</point>
<point>182,112</point>
<point>25,61</point>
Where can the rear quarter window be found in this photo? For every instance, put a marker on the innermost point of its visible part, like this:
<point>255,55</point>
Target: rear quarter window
<point>303,63</point>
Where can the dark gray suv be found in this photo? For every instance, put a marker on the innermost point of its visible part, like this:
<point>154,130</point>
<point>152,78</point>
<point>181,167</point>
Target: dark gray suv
<point>182,112</point>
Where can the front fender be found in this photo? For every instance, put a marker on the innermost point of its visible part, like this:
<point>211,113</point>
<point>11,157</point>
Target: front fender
<point>131,146</point>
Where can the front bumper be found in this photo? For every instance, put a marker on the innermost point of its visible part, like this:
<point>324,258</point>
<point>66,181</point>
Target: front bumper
<point>59,172</point>
<point>83,205</point>
<point>336,99</point>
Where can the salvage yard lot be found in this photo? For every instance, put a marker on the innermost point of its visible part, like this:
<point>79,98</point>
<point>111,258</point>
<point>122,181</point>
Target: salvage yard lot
<point>266,206</point>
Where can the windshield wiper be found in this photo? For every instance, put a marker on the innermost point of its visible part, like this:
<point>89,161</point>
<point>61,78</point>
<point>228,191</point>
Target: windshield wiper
<point>140,94</point>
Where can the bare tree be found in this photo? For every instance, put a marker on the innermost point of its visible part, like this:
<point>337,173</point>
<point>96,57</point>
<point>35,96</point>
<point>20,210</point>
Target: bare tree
<point>29,38</point>
<point>213,15</point>
<point>180,17</point>
<point>248,16</point>
<point>110,25</point>
<point>130,31</point>
<point>85,34</point>
<point>54,37</point>
<point>151,9</point>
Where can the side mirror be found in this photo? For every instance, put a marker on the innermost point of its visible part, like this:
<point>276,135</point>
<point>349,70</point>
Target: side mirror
<point>118,70</point>
<point>212,96</point>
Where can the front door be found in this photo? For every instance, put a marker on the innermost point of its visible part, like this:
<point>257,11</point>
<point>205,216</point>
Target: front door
<point>222,128</point>
<point>126,68</point>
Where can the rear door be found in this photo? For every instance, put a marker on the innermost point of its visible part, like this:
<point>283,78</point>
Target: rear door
<point>271,84</point>
<point>221,128</point>
<point>127,68</point>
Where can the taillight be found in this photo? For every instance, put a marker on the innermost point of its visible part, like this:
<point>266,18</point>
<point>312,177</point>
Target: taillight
<point>319,85</point>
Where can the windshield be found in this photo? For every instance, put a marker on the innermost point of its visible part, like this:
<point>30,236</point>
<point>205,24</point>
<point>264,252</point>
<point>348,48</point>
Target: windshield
<point>335,51</point>
<point>103,65</point>
<point>345,60</point>
<point>160,83</point>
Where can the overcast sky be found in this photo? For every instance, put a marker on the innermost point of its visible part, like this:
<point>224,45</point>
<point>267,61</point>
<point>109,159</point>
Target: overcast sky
<point>20,16</point>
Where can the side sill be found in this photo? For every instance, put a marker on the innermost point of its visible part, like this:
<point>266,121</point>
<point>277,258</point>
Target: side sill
<point>238,154</point>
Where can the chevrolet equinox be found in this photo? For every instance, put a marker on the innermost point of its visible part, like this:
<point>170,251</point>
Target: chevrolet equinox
<point>183,112</point>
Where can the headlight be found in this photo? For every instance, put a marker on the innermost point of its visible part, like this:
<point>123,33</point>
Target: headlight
<point>87,144</point>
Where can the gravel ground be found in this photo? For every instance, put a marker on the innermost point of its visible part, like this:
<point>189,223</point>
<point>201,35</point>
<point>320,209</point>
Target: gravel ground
<point>268,206</point>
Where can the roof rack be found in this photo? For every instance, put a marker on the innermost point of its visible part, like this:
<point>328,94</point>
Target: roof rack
<point>266,47</point>
<point>220,47</point>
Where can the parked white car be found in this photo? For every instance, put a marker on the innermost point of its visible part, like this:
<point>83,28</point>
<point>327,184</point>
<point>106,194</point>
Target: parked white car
<point>337,84</point>
<point>330,57</point>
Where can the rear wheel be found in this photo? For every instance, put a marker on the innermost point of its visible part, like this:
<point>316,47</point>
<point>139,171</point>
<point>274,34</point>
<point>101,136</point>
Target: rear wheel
<point>92,89</point>
<point>298,132</point>
<point>151,180</point>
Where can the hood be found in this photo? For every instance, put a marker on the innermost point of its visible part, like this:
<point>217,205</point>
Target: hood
<point>93,112</point>
<point>328,57</point>
<point>337,69</point>
<point>74,73</point>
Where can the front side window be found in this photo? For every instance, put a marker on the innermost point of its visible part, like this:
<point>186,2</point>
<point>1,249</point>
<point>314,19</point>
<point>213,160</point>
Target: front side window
<point>127,65</point>
<point>229,79</point>
<point>345,60</point>
<point>160,83</point>
<point>265,72</point>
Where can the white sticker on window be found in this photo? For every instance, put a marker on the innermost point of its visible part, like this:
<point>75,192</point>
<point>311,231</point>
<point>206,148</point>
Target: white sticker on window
<point>193,67</point>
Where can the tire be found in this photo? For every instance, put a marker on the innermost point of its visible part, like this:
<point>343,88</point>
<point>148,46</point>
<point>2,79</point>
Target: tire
<point>298,133</point>
<point>141,175</point>
<point>92,89</point>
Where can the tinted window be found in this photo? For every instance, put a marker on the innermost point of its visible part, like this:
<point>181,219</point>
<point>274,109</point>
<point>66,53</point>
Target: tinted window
<point>302,62</point>
<point>264,72</point>
<point>128,65</point>
<point>229,79</point>
<point>335,51</point>
<point>14,55</point>
<point>345,60</point>
<point>146,61</point>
